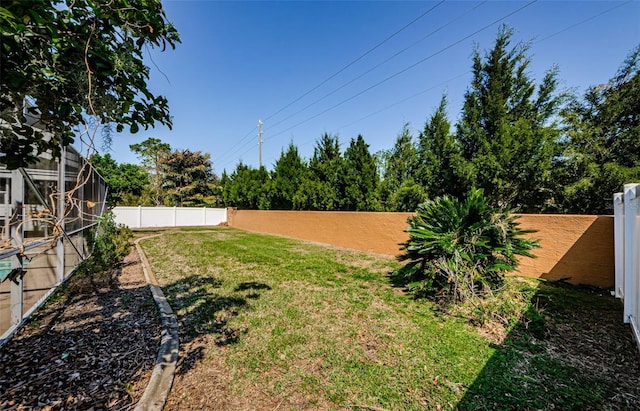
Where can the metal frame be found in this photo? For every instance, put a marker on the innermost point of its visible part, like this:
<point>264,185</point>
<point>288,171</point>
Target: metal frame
<point>66,171</point>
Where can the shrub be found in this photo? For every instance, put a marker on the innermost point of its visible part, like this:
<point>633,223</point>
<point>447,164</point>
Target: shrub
<point>459,249</point>
<point>110,245</point>
<point>409,196</point>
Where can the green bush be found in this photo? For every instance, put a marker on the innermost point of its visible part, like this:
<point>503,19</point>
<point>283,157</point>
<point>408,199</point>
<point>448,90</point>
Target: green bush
<point>110,245</point>
<point>459,249</point>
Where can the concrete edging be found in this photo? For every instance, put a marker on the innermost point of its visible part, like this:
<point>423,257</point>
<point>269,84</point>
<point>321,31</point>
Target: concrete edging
<point>159,386</point>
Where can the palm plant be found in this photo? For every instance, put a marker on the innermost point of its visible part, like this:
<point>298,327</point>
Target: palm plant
<point>457,249</point>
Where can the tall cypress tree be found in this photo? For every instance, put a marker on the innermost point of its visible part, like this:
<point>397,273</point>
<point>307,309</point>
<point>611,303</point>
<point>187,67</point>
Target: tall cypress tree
<point>247,188</point>
<point>287,176</point>
<point>323,187</point>
<point>399,169</point>
<point>441,168</point>
<point>506,129</point>
<point>601,142</point>
<point>361,177</point>
<point>326,167</point>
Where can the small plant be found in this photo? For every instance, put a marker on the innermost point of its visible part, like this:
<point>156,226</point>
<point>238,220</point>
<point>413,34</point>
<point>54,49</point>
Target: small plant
<point>459,249</point>
<point>110,245</point>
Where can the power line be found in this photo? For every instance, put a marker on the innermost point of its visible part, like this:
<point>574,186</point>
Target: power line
<point>395,104</point>
<point>380,64</point>
<point>584,21</point>
<point>467,72</point>
<point>231,151</point>
<point>404,100</point>
<point>404,70</point>
<point>355,61</point>
<point>401,71</point>
<point>389,106</point>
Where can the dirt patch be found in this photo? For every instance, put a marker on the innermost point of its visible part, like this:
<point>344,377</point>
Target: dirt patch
<point>93,346</point>
<point>597,342</point>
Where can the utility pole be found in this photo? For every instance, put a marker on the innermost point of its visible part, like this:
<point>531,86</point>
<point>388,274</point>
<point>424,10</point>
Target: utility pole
<point>260,123</point>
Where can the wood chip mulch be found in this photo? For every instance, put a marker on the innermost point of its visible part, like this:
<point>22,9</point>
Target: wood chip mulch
<point>92,347</point>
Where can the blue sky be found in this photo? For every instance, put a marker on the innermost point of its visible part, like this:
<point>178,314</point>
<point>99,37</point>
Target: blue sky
<point>309,67</point>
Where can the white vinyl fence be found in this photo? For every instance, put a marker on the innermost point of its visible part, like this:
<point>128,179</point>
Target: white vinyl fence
<point>627,253</point>
<point>146,217</point>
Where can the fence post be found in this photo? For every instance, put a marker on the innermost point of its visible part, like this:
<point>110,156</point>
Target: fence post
<point>62,173</point>
<point>139,216</point>
<point>618,230</point>
<point>204,216</point>
<point>631,232</point>
<point>175,218</point>
<point>17,218</point>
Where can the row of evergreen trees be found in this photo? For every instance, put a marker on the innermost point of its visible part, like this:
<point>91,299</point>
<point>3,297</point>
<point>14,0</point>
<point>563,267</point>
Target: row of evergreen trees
<point>331,180</point>
<point>527,145</point>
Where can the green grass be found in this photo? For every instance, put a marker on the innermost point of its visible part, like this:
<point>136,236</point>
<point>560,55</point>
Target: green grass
<point>301,325</point>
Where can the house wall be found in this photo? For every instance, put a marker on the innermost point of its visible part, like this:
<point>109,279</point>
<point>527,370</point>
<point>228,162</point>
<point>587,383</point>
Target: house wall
<point>575,248</point>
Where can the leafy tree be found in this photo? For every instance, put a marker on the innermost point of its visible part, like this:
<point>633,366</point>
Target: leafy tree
<point>399,167</point>
<point>619,113</point>
<point>361,178</point>
<point>408,197</point>
<point>327,166</point>
<point>314,194</point>
<point>126,182</point>
<point>441,168</point>
<point>219,190</point>
<point>459,249</point>
<point>188,179</point>
<point>68,58</point>
<point>248,188</point>
<point>287,176</point>
<point>506,128</point>
<point>151,153</point>
<point>326,151</point>
<point>224,178</point>
<point>601,142</point>
<point>323,187</point>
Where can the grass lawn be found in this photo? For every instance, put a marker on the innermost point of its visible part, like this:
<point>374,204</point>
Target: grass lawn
<point>274,323</point>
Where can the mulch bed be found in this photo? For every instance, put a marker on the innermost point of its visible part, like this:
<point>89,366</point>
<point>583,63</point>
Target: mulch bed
<point>93,346</point>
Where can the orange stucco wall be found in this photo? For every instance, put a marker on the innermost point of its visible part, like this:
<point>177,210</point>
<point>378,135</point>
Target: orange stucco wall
<point>577,248</point>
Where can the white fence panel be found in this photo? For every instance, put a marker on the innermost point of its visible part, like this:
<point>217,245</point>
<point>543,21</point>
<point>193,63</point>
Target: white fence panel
<point>129,216</point>
<point>157,217</point>
<point>215,216</point>
<point>627,235</point>
<point>190,216</point>
<point>147,217</point>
